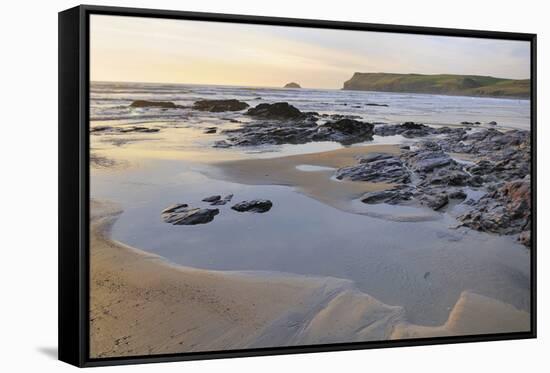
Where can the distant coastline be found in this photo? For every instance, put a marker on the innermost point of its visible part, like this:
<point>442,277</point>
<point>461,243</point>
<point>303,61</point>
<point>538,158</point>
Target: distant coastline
<point>441,84</point>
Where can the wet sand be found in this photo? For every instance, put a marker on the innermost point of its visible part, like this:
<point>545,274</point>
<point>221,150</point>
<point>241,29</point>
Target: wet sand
<point>142,304</point>
<point>316,184</point>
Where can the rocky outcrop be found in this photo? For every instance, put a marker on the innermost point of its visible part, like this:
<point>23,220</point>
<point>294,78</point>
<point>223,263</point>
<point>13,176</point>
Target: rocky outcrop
<point>292,85</point>
<point>507,210</point>
<point>378,168</point>
<point>182,214</point>
<point>218,106</point>
<point>278,110</point>
<point>301,131</point>
<point>256,205</point>
<point>154,104</point>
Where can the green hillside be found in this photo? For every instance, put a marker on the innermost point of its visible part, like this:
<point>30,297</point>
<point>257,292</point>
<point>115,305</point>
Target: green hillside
<point>466,85</point>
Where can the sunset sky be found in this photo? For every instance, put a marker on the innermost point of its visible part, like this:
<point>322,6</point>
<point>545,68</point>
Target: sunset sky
<point>175,51</point>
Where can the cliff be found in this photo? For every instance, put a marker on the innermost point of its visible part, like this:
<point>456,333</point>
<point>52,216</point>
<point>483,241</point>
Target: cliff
<point>446,84</point>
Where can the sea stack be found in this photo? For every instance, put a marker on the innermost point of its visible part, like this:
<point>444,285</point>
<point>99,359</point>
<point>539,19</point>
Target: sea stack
<point>292,85</point>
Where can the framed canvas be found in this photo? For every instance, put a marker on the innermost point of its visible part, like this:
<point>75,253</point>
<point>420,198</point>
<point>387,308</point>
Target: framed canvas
<point>236,186</point>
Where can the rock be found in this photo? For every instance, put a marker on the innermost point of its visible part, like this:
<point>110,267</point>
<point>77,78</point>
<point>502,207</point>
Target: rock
<point>212,198</point>
<point>407,129</point>
<point>217,106</point>
<point>223,201</point>
<point>374,156</point>
<point>278,110</point>
<point>493,123</point>
<point>257,205</point>
<point>435,202</point>
<point>457,194</point>
<point>222,144</point>
<point>298,131</point>
<point>184,215</point>
<point>424,161</point>
<point>525,238</point>
<point>506,210</point>
<point>151,104</point>
<point>383,170</point>
<point>210,130</point>
<point>138,129</point>
<point>173,208</point>
<point>292,85</point>
<point>373,104</point>
<point>391,196</point>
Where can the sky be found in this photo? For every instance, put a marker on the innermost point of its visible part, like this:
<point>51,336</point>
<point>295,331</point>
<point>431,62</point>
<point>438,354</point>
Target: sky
<point>133,49</point>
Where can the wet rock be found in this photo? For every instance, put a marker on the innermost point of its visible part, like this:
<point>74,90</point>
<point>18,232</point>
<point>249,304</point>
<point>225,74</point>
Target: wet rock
<point>154,104</point>
<point>222,201</point>
<point>222,144</point>
<point>174,208</point>
<point>257,205</point>
<point>212,198</point>
<point>407,129</point>
<point>101,129</point>
<point>435,202</point>
<point>185,215</point>
<point>458,194</point>
<point>278,110</point>
<point>298,131</point>
<point>218,106</point>
<point>345,131</point>
<point>139,129</point>
<point>373,104</point>
<point>379,169</point>
<point>506,210</point>
<point>392,196</point>
<point>493,123</point>
<point>210,130</point>
<point>424,161</point>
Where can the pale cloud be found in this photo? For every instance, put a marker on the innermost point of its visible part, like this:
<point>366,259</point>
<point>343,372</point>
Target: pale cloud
<point>176,51</point>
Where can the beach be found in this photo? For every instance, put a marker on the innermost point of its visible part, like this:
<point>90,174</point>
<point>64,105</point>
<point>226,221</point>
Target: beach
<point>237,217</point>
<point>141,304</point>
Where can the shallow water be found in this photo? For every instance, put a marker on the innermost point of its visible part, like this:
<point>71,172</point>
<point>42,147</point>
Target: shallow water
<point>420,264</point>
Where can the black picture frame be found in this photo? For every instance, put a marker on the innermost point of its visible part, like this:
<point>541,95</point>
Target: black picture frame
<point>74,182</point>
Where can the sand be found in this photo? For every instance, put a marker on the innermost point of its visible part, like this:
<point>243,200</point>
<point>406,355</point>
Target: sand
<point>316,184</point>
<point>141,304</point>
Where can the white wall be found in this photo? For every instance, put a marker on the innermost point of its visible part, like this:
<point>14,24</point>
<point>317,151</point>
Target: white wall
<point>28,205</point>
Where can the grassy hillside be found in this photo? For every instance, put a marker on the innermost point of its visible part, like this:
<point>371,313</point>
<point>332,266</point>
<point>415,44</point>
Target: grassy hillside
<point>467,85</point>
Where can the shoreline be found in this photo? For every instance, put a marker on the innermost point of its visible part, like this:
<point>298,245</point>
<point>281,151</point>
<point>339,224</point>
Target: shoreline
<point>142,304</point>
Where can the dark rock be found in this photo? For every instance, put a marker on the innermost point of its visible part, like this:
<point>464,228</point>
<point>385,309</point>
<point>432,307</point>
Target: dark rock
<point>506,210</point>
<point>223,201</point>
<point>373,104</point>
<point>407,129</point>
<point>210,130</point>
<point>184,215</point>
<point>174,208</point>
<point>370,157</point>
<point>391,196</point>
<point>157,104</point>
<point>222,144</point>
<point>279,110</point>
<point>138,129</point>
<point>257,205</point>
<point>493,123</point>
<point>457,194</point>
<point>212,198</point>
<point>382,170</point>
<point>435,202</point>
<point>217,106</point>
